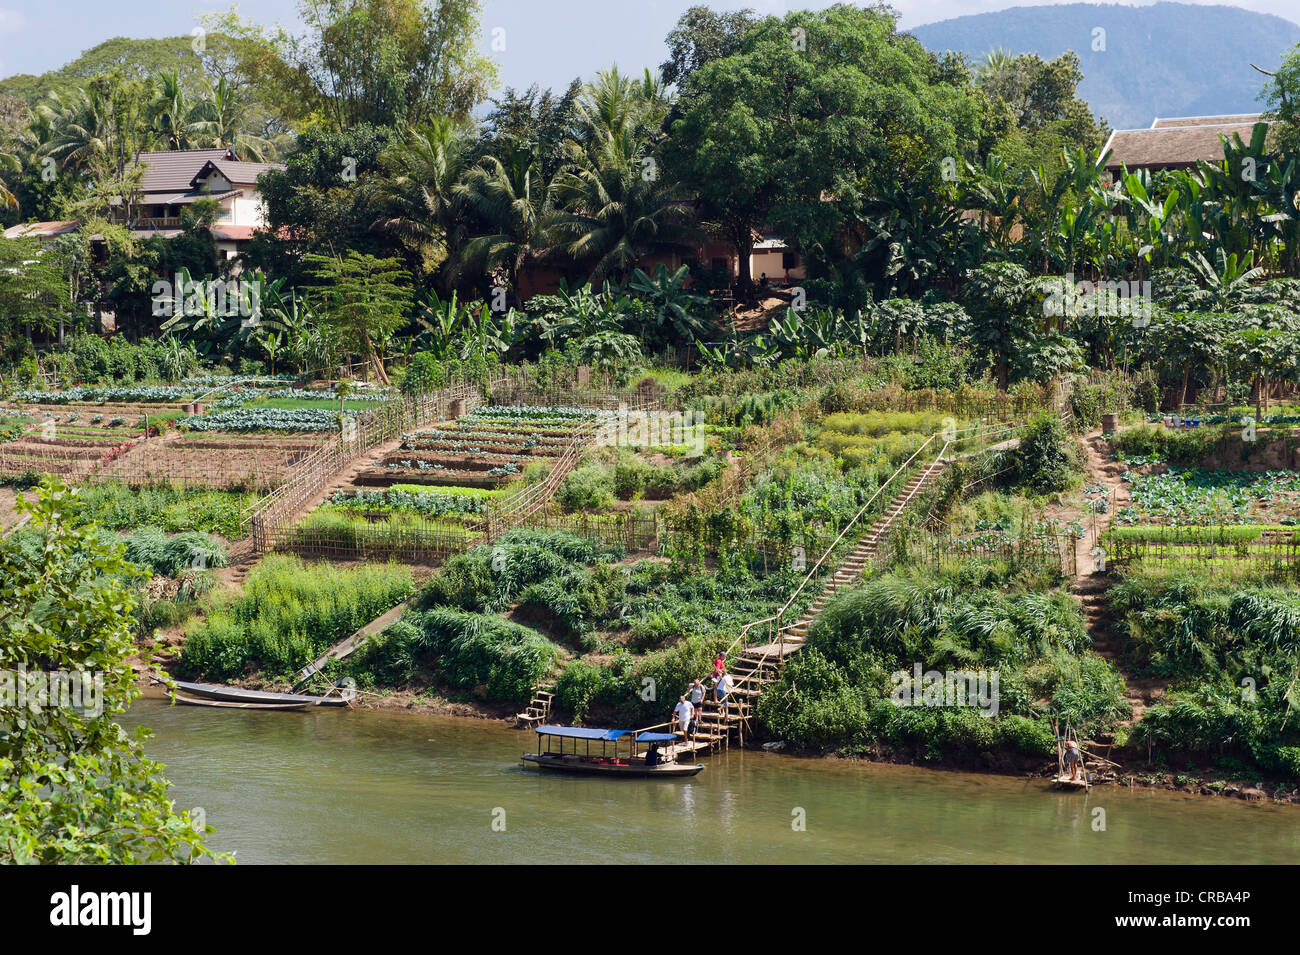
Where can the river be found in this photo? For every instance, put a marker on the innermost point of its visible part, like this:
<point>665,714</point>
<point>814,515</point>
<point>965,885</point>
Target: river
<point>366,786</point>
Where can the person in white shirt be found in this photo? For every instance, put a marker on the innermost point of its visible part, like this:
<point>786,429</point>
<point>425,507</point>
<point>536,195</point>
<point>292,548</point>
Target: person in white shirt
<point>721,689</point>
<point>697,699</point>
<point>683,711</point>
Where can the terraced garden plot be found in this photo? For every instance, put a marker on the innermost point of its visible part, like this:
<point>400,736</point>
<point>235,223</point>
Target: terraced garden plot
<point>132,394</point>
<point>65,450</point>
<point>488,448</point>
<point>99,414</point>
<point>1195,496</point>
<point>405,522</point>
<point>216,461</point>
<point>254,420</point>
<point>430,497</point>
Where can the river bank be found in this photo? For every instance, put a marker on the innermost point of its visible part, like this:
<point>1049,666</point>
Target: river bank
<point>378,786</point>
<point>1195,781</point>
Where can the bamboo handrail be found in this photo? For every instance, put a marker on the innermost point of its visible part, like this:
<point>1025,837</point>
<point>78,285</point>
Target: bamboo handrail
<point>949,440</point>
<point>831,547</point>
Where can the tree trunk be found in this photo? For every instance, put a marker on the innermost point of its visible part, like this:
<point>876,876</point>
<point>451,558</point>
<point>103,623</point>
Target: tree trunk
<point>743,239</point>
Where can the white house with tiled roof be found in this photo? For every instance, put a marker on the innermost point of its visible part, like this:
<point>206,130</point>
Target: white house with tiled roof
<point>177,178</point>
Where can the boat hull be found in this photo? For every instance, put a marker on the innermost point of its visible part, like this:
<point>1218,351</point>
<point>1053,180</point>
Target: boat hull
<point>232,705</point>
<point>231,694</point>
<point>570,764</point>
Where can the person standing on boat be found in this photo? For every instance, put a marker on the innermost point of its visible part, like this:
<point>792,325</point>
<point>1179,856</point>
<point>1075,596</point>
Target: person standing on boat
<point>1072,758</point>
<point>683,711</point>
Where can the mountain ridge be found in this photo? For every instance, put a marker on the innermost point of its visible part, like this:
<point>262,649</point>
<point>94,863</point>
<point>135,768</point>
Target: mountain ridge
<point>1166,59</point>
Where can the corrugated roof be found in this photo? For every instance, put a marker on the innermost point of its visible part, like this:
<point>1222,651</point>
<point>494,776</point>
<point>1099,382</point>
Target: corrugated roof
<point>36,230</point>
<point>233,233</point>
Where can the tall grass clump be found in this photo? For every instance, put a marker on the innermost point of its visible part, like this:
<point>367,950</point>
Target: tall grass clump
<point>288,614</point>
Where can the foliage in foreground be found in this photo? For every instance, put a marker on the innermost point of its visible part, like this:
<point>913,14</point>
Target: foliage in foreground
<point>77,787</point>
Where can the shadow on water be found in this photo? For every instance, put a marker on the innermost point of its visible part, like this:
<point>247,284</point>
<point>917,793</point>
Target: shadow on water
<point>363,786</point>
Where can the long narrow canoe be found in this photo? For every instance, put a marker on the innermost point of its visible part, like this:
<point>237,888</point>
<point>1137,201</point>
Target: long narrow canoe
<point>232,694</point>
<point>227,704</point>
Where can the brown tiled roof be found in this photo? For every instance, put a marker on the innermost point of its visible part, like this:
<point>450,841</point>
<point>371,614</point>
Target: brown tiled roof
<point>242,173</point>
<point>175,171</point>
<point>1173,122</point>
<point>1172,147</point>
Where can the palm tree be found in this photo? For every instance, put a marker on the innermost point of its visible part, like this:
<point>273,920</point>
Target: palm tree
<point>616,208</point>
<point>615,104</point>
<point>7,199</point>
<point>80,125</point>
<point>419,192</point>
<point>221,119</point>
<point>173,117</point>
<point>994,189</point>
<point>508,196</point>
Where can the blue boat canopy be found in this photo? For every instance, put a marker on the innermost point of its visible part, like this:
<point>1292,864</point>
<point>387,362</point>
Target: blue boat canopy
<point>656,738</point>
<point>580,732</point>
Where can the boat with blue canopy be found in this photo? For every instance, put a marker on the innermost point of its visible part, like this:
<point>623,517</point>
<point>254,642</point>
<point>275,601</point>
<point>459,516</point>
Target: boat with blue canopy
<point>569,749</point>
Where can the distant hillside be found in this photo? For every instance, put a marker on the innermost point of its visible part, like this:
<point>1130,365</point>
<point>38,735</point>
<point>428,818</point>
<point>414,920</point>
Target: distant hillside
<point>1169,59</point>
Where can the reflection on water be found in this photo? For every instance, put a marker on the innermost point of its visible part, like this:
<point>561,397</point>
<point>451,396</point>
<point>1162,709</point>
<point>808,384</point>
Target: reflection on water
<point>372,787</point>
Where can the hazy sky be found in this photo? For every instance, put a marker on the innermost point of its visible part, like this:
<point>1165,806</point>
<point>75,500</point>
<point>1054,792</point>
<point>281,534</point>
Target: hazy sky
<point>546,41</point>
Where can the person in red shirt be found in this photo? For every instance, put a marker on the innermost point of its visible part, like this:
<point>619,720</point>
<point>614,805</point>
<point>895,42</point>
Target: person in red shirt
<point>719,665</point>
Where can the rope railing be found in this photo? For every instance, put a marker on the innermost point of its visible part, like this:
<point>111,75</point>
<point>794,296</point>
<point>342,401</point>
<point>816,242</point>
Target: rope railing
<point>980,431</point>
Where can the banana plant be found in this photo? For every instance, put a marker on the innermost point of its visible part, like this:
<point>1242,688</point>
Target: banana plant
<point>1228,277</point>
<point>670,302</point>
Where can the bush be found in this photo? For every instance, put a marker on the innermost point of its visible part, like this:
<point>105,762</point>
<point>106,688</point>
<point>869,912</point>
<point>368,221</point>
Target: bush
<point>501,660</point>
<point>151,549</point>
<point>586,488</point>
<point>1157,441</point>
<point>1045,461</point>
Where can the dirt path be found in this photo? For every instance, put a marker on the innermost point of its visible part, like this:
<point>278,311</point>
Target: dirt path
<point>9,517</point>
<point>1090,585</point>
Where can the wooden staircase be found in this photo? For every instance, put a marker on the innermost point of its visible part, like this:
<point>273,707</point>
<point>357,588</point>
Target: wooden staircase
<point>867,551</point>
<point>759,666</point>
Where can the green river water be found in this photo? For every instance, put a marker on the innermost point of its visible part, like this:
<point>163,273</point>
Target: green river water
<point>367,786</point>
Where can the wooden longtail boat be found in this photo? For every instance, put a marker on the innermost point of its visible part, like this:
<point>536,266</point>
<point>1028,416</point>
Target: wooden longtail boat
<point>227,704</point>
<point>215,695</point>
<point>629,764</point>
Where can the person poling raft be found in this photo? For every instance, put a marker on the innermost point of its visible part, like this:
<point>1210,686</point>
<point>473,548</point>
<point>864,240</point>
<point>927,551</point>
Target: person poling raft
<point>580,758</point>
